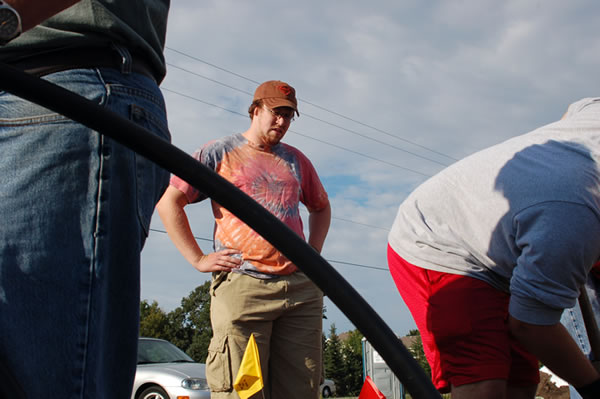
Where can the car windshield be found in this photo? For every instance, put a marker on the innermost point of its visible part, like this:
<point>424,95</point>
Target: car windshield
<point>155,351</point>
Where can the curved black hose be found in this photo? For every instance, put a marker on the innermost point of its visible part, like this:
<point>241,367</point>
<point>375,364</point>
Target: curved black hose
<point>348,300</point>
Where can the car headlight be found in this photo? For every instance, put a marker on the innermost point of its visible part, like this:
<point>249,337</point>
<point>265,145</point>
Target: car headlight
<point>194,383</point>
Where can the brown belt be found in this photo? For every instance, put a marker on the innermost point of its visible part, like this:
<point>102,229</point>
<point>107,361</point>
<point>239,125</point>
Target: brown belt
<point>105,57</point>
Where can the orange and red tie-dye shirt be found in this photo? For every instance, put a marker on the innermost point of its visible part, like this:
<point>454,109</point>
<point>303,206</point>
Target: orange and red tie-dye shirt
<point>278,179</point>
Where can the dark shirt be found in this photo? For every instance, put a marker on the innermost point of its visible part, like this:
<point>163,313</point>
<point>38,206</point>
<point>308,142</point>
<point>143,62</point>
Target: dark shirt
<point>140,25</point>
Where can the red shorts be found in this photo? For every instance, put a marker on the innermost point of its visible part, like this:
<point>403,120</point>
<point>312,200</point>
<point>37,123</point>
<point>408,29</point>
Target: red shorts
<point>463,325</point>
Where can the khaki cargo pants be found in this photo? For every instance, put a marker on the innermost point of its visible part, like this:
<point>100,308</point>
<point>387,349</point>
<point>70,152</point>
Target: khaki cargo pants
<point>285,315</point>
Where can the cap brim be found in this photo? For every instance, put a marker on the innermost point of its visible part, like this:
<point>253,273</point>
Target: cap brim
<point>280,102</point>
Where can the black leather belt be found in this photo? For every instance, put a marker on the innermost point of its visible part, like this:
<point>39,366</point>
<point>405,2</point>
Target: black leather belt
<point>103,57</point>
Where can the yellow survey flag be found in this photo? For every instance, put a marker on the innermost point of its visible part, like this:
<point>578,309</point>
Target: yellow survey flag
<point>249,377</point>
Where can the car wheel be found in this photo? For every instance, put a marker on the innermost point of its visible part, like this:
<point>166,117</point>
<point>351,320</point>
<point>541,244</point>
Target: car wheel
<point>153,392</point>
<point>326,392</point>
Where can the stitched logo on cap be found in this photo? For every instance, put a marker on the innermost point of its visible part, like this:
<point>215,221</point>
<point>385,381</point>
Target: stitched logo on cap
<point>287,90</point>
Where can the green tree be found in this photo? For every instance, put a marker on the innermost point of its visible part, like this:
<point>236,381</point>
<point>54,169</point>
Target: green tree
<point>343,361</point>
<point>416,349</point>
<point>154,322</point>
<point>333,360</point>
<point>190,323</point>
<point>188,326</point>
<point>353,363</point>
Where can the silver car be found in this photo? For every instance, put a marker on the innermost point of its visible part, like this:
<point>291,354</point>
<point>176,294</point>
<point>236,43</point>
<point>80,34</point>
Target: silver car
<point>327,388</point>
<point>166,372</point>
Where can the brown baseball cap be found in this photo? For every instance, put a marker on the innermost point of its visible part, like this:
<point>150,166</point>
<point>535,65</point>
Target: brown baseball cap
<point>275,93</point>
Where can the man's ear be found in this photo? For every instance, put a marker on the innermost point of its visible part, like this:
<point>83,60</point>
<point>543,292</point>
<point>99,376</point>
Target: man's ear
<point>256,111</point>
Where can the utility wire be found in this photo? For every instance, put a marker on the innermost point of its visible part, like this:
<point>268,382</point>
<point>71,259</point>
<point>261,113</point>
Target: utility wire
<point>359,153</point>
<point>310,103</point>
<point>212,65</point>
<point>201,101</point>
<point>359,265</point>
<point>381,131</point>
<point>301,134</point>
<point>209,79</point>
<point>361,224</point>
<point>328,260</point>
<point>374,139</point>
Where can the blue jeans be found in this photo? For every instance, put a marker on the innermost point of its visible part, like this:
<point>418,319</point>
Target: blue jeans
<point>573,321</point>
<point>75,210</point>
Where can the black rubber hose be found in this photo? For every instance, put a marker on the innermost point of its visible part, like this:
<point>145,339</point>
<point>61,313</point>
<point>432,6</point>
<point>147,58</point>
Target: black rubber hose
<point>176,161</point>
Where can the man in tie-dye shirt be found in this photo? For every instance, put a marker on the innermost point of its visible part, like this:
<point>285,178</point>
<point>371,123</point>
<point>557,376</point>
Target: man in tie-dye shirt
<point>255,288</point>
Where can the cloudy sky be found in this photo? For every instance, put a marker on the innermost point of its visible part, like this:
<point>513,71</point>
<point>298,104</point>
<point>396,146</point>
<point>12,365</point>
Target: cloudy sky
<point>390,92</point>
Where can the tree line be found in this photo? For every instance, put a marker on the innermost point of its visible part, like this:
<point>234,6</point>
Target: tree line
<point>188,327</point>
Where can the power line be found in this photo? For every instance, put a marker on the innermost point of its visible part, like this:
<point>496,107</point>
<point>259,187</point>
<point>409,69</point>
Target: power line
<point>382,131</point>
<point>308,102</point>
<point>209,79</point>
<point>303,135</point>
<point>328,260</point>
<point>201,101</point>
<point>359,153</point>
<point>359,223</point>
<point>358,265</point>
<point>212,65</point>
<point>374,139</point>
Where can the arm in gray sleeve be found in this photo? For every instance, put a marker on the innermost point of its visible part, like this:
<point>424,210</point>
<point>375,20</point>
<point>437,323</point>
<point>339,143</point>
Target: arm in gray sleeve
<point>559,243</point>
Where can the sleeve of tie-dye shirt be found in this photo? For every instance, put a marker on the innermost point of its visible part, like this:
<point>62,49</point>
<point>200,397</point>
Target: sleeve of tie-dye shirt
<point>205,156</point>
<point>313,196</point>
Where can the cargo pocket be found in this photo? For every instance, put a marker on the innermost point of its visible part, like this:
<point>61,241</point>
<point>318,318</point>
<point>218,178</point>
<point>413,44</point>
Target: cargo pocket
<point>218,365</point>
